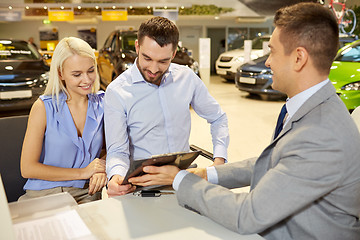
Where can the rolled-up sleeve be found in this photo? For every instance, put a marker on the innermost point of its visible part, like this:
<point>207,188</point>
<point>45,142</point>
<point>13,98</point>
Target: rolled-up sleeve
<point>208,108</point>
<point>117,141</point>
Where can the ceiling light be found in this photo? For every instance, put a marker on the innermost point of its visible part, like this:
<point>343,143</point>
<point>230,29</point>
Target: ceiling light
<point>113,7</point>
<point>165,7</point>
<point>182,7</point>
<point>45,7</point>
<point>62,7</point>
<point>148,7</point>
<point>27,7</point>
<point>131,7</point>
<point>79,7</point>
<point>10,7</point>
<point>97,7</point>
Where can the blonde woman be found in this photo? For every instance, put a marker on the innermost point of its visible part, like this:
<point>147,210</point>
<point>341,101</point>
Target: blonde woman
<point>65,135</point>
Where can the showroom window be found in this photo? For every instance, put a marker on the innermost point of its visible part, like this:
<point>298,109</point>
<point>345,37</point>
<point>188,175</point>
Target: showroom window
<point>237,36</point>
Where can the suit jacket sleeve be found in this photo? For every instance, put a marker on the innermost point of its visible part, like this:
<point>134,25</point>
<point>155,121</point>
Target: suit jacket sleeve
<point>237,174</point>
<point>296,181</point>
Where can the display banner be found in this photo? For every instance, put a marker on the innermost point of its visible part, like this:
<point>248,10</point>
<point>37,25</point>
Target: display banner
<point>247,50</point>
<point>204,61</point>
<point>9,16</point>
<point>265,47</point>
<point>114,15</point>
<point>49,38</point>
<point>88,34</point>
<point>61,15</point>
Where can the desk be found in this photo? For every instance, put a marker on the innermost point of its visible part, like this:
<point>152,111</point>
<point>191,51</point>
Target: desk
<point>133,217</point>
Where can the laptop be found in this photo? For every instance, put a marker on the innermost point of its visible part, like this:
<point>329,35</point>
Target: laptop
<point>6,227</point>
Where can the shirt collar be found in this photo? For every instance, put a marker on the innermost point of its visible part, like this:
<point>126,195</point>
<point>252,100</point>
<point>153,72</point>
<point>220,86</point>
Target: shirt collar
<point>293,104</point>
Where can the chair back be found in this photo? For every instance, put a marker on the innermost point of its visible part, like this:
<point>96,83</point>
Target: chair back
<point>356,116</point>
<point>12,136</point>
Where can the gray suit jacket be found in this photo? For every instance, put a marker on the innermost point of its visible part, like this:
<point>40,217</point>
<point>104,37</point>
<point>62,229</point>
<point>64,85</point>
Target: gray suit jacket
<point>304,185</point>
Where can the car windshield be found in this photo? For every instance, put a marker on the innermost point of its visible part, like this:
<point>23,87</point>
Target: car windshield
<point>13,50</point>
<point>258,42</point>
<point>128,42</point>
<point>349,54</point>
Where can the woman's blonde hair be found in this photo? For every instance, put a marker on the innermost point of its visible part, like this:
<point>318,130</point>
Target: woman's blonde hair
<point>66,48</point>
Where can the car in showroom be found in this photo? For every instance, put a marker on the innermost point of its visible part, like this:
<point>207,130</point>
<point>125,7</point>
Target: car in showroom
<point>345,74</point>
<point>23,74</point>
<point>256,78</point>
<point>119,53</point>
<point>228,62</point>
<point>345,39</point>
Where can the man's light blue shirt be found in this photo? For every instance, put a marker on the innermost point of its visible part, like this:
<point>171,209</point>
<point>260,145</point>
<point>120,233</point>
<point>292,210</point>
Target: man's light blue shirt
<point>292,105</point>
<point>143,119</point>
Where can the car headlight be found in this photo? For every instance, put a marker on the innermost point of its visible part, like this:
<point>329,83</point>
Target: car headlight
<point>44,77</point>
<point>354,86</point>
<point>195,67</point>
<point>239,59</point>
<point>267,72</point>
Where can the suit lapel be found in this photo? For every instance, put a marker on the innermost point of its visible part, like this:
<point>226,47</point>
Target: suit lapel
<point>264,163</point>
<point>316,99</point>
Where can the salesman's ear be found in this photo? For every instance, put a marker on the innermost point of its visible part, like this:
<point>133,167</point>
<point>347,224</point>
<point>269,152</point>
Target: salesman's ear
<point>137,46</point>
<point>301,57</point>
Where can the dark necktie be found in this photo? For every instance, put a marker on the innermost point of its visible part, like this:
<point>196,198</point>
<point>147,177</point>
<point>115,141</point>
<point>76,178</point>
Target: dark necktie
<point>280,121</point>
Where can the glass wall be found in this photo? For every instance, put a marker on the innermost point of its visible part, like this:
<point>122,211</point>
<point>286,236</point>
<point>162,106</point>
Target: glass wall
<point>237,36</point>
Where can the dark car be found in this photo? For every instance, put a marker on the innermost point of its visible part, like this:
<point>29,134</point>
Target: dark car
<point>345,39</point>
<point>254,77</point>
<point>119,53</point>
<point>23,74</point>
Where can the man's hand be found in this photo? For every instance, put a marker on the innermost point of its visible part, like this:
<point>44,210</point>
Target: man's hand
<point>201,172</point>
<point>163,175</point>
<point>218,161</point>
<point>97,182</point>
<point>115,188</point>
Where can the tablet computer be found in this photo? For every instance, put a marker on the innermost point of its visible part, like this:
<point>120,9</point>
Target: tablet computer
<point>180,159</point>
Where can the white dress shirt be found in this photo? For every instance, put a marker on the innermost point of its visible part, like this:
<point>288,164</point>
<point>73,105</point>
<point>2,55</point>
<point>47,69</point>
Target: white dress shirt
<point>143,119</point>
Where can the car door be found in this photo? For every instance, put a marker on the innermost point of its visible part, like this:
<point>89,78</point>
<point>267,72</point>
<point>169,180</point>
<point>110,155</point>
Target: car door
<point>106,59</point>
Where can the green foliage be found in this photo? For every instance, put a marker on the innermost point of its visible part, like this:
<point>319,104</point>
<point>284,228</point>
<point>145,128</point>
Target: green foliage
<point>204,10</point>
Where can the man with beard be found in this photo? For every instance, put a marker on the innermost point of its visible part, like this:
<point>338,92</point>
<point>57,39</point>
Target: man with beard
<point>147,106</point>
<point>305,184</point>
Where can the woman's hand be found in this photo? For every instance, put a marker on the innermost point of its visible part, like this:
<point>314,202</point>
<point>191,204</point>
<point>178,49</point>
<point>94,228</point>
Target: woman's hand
<point>96,166</point>
<point>97,182</point>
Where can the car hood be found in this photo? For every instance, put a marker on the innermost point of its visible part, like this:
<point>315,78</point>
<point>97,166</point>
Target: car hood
<point>240,52</point>
<point>342,73</point>
<point>256,65</point>
<point>15,71</point>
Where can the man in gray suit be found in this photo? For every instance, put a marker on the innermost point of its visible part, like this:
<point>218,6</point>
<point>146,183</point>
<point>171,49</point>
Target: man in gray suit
<point>306,183</point>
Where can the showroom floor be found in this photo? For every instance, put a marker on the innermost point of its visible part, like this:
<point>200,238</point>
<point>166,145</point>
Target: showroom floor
<point>251,122</point>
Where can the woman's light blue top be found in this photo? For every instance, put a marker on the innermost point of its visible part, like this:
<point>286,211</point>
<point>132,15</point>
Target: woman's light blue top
<point>62,147</point>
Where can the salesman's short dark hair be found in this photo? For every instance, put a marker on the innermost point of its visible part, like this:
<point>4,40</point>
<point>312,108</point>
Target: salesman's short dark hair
<point>160,29</point>
<point>312,26</point>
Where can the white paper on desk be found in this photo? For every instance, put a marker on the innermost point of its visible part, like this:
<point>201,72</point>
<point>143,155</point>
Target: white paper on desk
<point>64,225</point>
